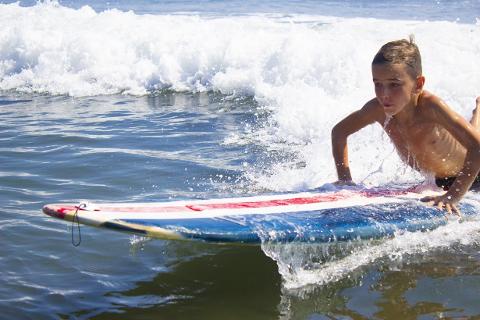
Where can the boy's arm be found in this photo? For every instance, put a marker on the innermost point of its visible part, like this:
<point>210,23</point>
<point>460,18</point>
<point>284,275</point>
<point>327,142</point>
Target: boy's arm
<point>359,119</point>
<point>469,137</point>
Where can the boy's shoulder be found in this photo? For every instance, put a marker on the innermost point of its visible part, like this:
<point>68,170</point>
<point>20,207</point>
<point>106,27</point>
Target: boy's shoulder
<point>372,105</point>
<point>430,103</point>
<point>434,109</point>
<point>375,109</point>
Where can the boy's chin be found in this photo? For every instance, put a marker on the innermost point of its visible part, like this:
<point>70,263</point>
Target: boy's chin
<point>390,111</point>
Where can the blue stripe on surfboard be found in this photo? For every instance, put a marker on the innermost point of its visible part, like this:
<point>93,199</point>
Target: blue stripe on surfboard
<point>328,225</point>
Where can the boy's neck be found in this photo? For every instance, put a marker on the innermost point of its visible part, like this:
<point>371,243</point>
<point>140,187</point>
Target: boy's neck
<point>408,112</point>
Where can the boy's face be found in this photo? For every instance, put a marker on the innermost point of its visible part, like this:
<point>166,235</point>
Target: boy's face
<point>395,88</point>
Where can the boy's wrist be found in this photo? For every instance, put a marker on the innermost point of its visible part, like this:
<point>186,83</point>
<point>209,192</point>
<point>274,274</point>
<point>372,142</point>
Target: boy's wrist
<point>345,178</point>
<point>455,194</point>
<point>344,183</point>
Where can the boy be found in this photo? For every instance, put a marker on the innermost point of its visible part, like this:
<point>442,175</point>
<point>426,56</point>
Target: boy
<point>428,135</point>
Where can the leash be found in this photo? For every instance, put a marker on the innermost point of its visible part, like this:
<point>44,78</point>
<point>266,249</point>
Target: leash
<point>75,217</point>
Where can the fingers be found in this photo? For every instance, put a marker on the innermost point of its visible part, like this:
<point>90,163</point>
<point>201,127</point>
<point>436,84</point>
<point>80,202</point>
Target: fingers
<point>455,210</point>
<point>440,205</point>
<point>450,208</point>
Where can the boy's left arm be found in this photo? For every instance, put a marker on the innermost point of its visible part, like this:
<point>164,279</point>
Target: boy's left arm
<point>469,137</point>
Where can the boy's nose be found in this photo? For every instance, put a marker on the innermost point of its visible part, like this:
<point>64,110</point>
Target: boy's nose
<point>385,94</point>
<point>385,99</point>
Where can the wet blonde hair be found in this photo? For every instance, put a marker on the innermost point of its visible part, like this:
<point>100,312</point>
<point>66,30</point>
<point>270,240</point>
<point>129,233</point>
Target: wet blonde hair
<point>401,51</point>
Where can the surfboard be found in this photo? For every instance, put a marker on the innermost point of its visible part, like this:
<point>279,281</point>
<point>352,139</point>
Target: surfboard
<point>309,216</point>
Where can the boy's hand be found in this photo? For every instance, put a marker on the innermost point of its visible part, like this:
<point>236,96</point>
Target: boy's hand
<point>443,202</point>
<point>344,183</point>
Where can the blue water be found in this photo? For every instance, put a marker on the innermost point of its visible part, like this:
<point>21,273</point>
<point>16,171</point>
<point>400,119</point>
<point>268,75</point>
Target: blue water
<point>180,100</point>
<point>463,10</point>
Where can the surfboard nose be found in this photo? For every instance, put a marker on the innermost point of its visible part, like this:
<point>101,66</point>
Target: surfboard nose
<point>57,211</point>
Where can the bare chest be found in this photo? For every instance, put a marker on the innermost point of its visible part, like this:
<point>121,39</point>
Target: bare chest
<point>427,147</point>
<point>414,137</point>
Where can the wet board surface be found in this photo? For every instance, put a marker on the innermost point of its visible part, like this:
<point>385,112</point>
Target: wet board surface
<point>308,216</point>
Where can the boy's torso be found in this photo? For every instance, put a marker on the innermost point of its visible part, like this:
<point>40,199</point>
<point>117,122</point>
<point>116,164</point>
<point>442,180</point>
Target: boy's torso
<point>425,146</point>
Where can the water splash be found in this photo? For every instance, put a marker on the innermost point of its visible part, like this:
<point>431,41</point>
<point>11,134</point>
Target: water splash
<point>137,243</point>
<point>307,71</point>
<point>306,265</point>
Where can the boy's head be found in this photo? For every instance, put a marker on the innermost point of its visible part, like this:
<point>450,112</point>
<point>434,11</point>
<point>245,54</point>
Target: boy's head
<point>401,52</point>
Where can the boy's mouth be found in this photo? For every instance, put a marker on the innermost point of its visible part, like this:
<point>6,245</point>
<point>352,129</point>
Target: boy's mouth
<point>389,108</point>
<point>388,105</point>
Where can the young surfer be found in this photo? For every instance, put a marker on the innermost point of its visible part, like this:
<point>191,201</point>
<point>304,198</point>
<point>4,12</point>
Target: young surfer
<point>428,135</point>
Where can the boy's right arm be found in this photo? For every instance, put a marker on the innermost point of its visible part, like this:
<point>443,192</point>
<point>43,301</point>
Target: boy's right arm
<point>359,119</point>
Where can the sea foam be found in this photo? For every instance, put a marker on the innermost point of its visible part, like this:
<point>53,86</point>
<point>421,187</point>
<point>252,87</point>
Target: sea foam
<point>303,265</point>
<point>308,71</point>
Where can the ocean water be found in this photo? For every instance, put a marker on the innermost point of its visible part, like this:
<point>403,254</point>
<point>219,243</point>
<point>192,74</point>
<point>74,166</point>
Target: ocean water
<point>125,101</point>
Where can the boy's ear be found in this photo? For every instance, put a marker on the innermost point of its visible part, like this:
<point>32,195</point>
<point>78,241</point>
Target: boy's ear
<point>419,84</point>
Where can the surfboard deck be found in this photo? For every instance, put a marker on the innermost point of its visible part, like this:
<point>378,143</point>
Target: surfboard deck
<point>308,216</point>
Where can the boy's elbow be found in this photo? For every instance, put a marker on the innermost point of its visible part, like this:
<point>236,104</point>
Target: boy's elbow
<point>338,133</point>
<point>474,155</point>
<point>335,130</point>
<point>475,149</point>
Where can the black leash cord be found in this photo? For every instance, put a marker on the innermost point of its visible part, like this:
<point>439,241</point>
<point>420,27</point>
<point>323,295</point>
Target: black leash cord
<point>75,217</point>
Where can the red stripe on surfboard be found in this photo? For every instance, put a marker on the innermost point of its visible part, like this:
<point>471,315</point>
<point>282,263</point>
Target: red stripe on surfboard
<point>296,201</point>
<point>269,203</point>
<point>332,197</point>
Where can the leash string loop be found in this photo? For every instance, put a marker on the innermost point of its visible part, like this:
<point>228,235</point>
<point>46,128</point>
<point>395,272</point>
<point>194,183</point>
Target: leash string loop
<point>75,217</point>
